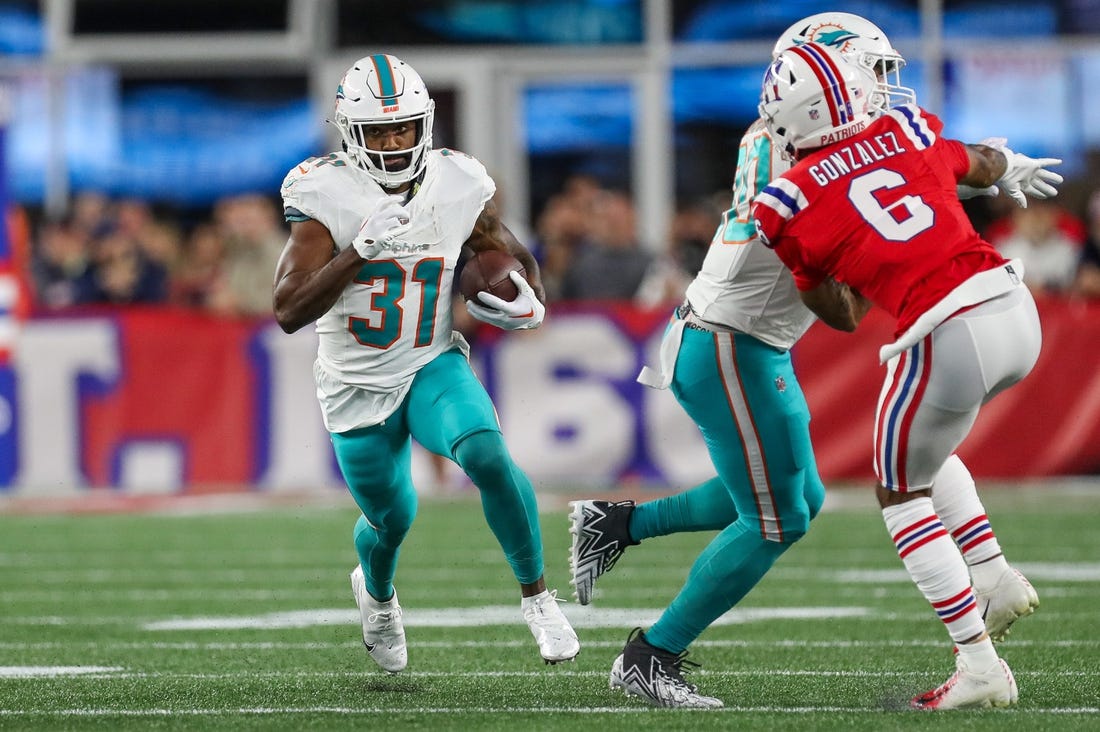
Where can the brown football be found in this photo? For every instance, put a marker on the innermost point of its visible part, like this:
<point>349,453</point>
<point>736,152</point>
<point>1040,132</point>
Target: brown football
<point>487,271</point>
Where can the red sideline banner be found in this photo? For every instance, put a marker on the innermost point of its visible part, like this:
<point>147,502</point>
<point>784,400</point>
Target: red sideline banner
<point>1047,425</point>
<point>164,401</point>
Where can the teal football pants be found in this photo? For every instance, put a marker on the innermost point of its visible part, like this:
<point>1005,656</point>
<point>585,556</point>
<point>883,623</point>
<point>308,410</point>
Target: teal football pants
<point>746,400</point>
<point>449,413</point>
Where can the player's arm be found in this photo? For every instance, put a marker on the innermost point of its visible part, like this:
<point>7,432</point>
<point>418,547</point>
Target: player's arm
<point>836,304</point>
<point>987,165</point>
<point>310,275</point>
<point>528,308</point>
<point>491,233</point>
<point>312,271</point>
<point>1017,175</point>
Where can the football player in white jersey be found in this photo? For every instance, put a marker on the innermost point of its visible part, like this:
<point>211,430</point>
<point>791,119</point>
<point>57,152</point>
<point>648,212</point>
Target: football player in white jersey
<point>726,357</point>
<point>376,232</point>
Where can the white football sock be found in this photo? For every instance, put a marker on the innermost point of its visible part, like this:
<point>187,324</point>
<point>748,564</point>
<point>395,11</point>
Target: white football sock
<point>956,502</point>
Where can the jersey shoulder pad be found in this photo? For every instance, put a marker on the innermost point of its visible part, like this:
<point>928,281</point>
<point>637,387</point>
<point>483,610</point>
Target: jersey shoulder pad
<point>467,167</point>
<point>918,125</point>
<point>777,204</point>
<point>315,179</point>
<point>758,127</point>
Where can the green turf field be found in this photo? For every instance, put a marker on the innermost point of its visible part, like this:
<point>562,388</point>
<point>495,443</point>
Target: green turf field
<point>246,621</point>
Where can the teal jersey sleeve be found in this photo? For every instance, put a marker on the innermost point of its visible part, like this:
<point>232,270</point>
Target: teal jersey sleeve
<point>757,164</point>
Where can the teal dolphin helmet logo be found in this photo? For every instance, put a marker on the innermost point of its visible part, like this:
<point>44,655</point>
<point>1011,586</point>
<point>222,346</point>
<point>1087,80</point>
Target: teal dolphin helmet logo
<point>835,38</point>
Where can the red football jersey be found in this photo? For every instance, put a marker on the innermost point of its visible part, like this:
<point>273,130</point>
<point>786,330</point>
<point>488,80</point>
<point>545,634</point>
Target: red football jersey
<point>880,213</point>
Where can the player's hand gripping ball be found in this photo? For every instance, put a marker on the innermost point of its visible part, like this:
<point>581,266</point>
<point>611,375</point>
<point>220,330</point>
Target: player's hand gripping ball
<point>487,271</point>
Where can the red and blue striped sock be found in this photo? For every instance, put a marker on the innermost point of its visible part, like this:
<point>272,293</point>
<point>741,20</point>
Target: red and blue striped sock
<point>936,566</point>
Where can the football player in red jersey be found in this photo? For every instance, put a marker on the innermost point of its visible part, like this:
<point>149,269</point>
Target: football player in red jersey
<point>870,214</point>
<point>726,357</point>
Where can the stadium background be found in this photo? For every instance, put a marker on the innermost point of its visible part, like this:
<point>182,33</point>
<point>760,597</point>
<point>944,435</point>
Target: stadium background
<point>182,103</point>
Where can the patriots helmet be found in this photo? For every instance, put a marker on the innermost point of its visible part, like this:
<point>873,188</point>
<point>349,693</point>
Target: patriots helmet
<point>813,96</point>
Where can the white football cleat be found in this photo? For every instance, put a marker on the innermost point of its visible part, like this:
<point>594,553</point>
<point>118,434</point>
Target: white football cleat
<point>556,638</point>
<point>383,631</point>
<point>967,689</point>
<point>1010,599</point>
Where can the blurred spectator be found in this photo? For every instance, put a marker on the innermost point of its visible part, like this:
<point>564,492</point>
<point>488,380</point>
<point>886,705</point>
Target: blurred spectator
<point>254,238</point>
<point>91,213</point>
<point>1048,240</point>
<point>1087,282</point>
<point>610,264</point>
<point>561,230</point>
<point>159,240</point>
<point>122,273</point>
<point>196,279</point>
<point>59,265</point>
<point>690,233</point>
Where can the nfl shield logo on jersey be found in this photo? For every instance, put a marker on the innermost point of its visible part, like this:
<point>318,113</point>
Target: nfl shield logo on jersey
<point>780,384</point>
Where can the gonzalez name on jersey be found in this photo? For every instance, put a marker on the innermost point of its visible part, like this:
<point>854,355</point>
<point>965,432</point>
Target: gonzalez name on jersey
<point>895,175</point>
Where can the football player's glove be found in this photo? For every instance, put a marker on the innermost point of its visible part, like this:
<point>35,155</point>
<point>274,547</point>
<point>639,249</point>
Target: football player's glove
<point>523,313</point>
<point>964,191</point>
<point>1025,176</point>
<point>380,225</point>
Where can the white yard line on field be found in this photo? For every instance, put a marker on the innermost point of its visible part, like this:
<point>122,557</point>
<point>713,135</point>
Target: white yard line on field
<point>27,672</point>
<point>579,616</point>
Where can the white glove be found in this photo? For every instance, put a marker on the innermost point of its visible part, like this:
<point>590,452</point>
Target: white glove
<point>1025,176</point>
<point>379,227</point>
<point>964,191</point>
<point>523,313</point>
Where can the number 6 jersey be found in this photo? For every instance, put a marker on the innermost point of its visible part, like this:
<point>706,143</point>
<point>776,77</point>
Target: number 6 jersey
<point>395,316</point>
<point>880,213</point>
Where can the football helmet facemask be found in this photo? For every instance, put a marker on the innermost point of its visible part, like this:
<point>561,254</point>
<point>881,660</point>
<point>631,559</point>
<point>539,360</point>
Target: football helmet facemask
<point>383,90</point>
<point>860,40</point>
<point>814,96</point>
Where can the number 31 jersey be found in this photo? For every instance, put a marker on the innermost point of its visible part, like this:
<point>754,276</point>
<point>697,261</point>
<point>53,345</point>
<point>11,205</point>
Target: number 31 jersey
<point>395,316</point>
<point>880,213</point>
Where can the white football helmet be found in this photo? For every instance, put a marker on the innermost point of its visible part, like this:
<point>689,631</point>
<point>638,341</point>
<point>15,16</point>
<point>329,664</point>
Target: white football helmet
<point>860,40</point>
<point>381,90</point>
<point>814,96</point>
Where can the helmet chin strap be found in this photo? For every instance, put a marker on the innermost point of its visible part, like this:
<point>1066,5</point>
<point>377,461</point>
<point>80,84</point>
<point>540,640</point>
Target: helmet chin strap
<point>412,190</point>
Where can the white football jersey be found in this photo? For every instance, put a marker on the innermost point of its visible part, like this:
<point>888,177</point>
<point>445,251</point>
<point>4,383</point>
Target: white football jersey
<point>743,284</point>
<point>395,317</point>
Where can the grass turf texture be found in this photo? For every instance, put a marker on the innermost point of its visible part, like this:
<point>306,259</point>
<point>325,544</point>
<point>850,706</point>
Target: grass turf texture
<point>82,591</point>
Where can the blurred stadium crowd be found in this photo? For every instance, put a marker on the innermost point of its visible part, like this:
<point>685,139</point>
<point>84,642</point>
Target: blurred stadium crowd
<point>158,159</point>
<point>122,252</point>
